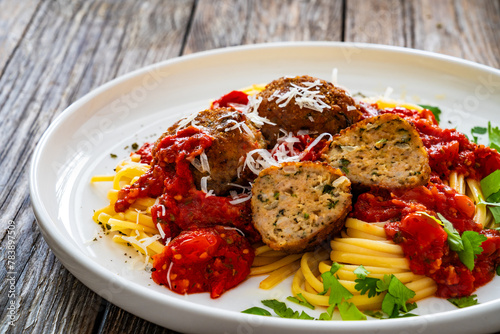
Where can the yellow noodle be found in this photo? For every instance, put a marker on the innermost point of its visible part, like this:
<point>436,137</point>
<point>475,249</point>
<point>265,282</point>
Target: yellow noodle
<point>365,227</point>
<point>385,247</point>
<point>353,233</point>
<point>102,178</point>
<point>480,215</point>
<point>347,248</point>
<point>264,260</point>
<point>120,225</point>
<point>279,275</point>
<point>275,265</point>
<point>401,263</point>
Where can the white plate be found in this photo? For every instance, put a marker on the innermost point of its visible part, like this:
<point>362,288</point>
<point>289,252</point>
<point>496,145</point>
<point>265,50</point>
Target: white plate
<point>139,106</point>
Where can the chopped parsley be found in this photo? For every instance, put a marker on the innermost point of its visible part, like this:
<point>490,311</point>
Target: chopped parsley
<point>468,246</point>
<point>112,155</point>
<point>494,137</point>
<point>490,185</point>
<point>135,146</point>
<point>301,300</point>
<point>464,301</point>
<point>283,311</point>
<point>435,111</point>
<point>477,130</point>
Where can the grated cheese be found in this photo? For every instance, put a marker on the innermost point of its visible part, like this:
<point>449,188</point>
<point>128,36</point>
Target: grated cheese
<point>168,275</point>
<point>264,160</point>
<point>335,72</point>
<point>162,233</point>
<point>142,243</point>
<point>187,120</point>
<point>304,96</point>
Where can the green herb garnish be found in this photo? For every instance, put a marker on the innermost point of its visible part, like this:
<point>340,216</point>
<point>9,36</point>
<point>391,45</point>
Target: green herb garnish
<point>464,301</point>
<point>435,111</point>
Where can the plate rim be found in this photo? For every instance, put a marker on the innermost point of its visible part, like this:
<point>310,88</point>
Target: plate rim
<point>53,235</point>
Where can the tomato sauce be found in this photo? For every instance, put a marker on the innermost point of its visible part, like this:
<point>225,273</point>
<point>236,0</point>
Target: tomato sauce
<point>423,240</point>
<point>211,259</point>
<point>207,253</point>
<point>448,149</point>
<point>234,97</point>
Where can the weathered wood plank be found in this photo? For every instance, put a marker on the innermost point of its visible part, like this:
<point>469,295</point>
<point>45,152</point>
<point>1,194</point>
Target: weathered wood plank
<point>68,48</point>
<point>379,21</point>
<point>467,29</point>
<point>15,18</point>
<point>225,23</point>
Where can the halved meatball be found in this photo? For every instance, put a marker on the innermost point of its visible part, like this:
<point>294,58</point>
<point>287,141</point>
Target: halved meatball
<point>234,136</point>
<point>297,205</point>
<point>384,151</point>
<point>305,103</point>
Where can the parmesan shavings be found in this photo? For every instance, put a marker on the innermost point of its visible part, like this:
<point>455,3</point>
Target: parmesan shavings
<point>201,164</point>
<point>305,96</point>
<point>187,120</point>
<point>388,91</point>
<point>335,72</point>
<point>204,186</point>
<point>314,143</point>
<point>234,229</point>
<point>251,112</point>
<point>168,275</point>
<point>142,243</point>
<point>162,233</point>
<point>244,196</point>
<point>264,160</point>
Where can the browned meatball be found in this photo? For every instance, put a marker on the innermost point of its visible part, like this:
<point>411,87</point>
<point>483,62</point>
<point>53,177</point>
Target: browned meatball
<point>305,103</point>
<point>234,136</point>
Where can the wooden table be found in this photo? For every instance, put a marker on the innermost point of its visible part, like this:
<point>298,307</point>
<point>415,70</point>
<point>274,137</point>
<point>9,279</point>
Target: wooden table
<point>54,52</point>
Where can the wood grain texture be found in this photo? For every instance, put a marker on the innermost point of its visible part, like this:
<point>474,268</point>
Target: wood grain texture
<point>225,23</point>
<point>15,18</point>
<point>466,29</point>
<point>67,49</point>
<point>53,52</point>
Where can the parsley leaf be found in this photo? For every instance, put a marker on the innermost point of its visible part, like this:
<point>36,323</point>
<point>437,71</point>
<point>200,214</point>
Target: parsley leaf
<point>491,184</point>
<point>454,241</point>
<point>301,300</point>
<point>464,301</point>
<point>257,311</point>
<point>383,284</point>
<point>477,130</point>
<point>435,111</point>
<point>494,137</point>
<point>349,311</point>
<point>283,311</point>
<point>374,314</point>
<point>367,284</point>
<point>472,246</point>
<point>337,291</point>
<point>396,297</point>
<point>361,271</point>
<point>328,314</point>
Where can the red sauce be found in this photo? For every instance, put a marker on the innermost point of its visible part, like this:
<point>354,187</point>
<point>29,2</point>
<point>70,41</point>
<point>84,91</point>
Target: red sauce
<point>234,97</point>
<point>212,259</point>
<point>424,241</point>
<point>205,256</point>
<point>149,184</point>
<point>449,149</point>
<point>145,153</point>
<point>195,209</point>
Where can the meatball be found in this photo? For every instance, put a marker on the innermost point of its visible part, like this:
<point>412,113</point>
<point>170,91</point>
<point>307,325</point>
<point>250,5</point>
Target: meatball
<point>383,151</point>
<point>299,204</point>
<point>305,103</point>
<point>234,136</point>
